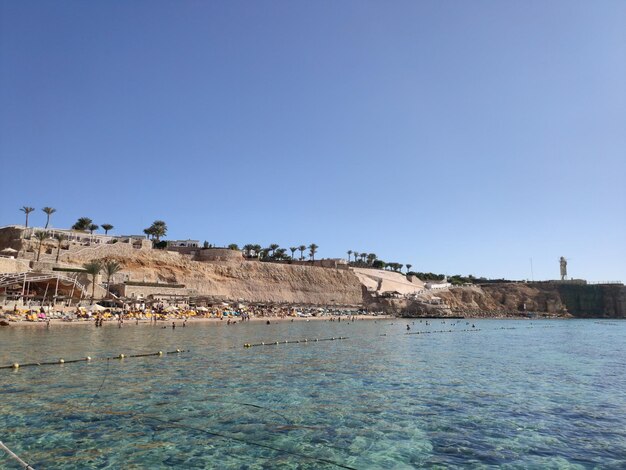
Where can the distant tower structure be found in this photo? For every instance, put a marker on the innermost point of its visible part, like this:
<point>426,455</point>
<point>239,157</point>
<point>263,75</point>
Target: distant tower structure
<point>563,263</point>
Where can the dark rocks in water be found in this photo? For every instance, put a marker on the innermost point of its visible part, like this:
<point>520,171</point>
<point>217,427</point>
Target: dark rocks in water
<point>4,322</point>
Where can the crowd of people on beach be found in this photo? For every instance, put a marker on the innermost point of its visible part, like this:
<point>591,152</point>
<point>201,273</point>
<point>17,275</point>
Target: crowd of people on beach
<point>159,311</point>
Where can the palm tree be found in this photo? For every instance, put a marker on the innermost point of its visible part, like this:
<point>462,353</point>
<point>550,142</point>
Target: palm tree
<point>158,229</point>
<point>82,224</point>
<point>349,253</point>
<point>363,257</point>
<point>273,247</point>
<point>41,236</point>
<point>93,227</point>
<point>93,268</point>
<point>408,267</point>
<point>106,228</point>
<point>233,246</point>
<point>302,248</point>
<point>60,238</point>
<point>27,210</point>
<point>257,250</point>
<point>111,267</point>
<point>49,211</point>
<point>356,256</point>
<point>312,250</point>
<point>371,257</point>
<point>280,253</point>
<point>293,250</point>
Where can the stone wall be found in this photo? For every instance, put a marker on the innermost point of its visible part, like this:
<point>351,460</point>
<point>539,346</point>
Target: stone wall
<point>139,292</point>
<point>8,265</point>
<point>218,255</point>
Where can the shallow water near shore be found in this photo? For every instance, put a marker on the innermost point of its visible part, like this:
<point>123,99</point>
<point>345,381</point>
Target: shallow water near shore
<point>508,393</point>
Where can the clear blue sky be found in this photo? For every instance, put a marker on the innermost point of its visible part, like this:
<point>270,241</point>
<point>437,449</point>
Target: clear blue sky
<point>460,137</point>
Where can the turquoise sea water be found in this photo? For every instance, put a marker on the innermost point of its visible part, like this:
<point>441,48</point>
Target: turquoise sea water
<point>509,394</point>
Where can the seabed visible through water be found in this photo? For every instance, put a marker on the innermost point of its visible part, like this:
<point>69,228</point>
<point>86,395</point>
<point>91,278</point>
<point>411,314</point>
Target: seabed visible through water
<point>508,393</point>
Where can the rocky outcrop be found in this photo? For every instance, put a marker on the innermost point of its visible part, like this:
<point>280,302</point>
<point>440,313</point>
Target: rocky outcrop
<point>512,297</point>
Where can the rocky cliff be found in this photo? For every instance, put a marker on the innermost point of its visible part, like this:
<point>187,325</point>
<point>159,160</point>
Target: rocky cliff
<point>269,282</point>
<point>251,281</point>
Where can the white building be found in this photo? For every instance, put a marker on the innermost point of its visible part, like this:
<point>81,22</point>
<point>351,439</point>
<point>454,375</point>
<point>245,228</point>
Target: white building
<point>184,243</point>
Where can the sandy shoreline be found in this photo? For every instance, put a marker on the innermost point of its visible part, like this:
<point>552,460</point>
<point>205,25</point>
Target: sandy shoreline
<point>192,320</point>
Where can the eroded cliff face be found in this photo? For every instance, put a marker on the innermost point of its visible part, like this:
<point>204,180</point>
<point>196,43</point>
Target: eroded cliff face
<point>269,282</point>
<point>250,281</point>
<point>505,297</point>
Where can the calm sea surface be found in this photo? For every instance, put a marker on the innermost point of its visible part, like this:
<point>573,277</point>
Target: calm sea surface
<point>509,394</point>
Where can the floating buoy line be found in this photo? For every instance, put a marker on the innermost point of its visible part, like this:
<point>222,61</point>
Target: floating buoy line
<point>443,331</point>
<point>17,365</point>
<point>297,341</point>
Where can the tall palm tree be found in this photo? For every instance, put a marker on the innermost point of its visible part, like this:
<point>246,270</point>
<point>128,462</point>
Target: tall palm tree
<point>93,227</point>
<point>312,250</point>
<point>247,249</point>
<point>49,211</point>
<point>27,210</point>
<point>302,248</point>
<point>349,253</point>
<point>60,238</point>
<point>41,236</point>
<point>93,268</point>
<point>363,257</point>
<point>110,267</point>
<point>371,257</point>
<point>257,250</point>
<point>408,268</point>
<point>293,250</point>
<point>106,228</point>
<point>273,247</point>
<point>356,256</point>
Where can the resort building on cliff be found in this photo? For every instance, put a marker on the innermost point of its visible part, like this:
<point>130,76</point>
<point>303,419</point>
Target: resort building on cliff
<point>183,243</point>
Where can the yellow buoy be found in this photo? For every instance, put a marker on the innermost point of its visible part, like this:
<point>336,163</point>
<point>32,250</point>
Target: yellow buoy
<point>16,365</point>
<point>178,350</point>
<point>121,356</point>
<point>160,353</point>
<point>61,361</point>
<point>88,358</point>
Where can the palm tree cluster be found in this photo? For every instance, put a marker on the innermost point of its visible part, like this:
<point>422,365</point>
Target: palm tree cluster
<point>85,224</point>
<point>95,267</point>
<point>370,260</point>
<point>275,253</point>
<point>157,230</point>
